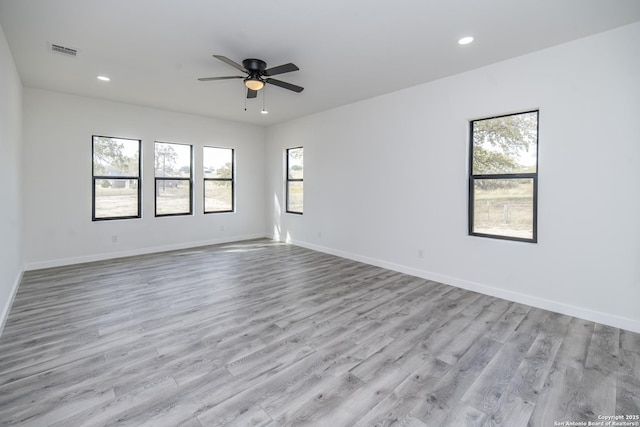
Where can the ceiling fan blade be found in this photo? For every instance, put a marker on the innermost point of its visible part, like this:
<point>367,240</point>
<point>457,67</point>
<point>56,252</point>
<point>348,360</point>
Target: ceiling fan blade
<point>281,69</point>
<point>208,79</point>
<point>232,63</point>
<point>251,93</point>
<point>284,85</point>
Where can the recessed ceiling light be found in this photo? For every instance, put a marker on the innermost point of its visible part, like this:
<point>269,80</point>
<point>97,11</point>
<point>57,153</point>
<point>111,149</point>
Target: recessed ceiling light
<point>104,78</point>
<point>465,40</point>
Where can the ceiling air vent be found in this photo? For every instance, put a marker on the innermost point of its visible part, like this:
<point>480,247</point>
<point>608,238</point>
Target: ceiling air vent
<point>56,48</point>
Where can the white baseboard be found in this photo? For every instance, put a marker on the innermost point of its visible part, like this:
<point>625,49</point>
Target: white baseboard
<point>38,265</point>
<point>534,301</point>
<point>7,306</point>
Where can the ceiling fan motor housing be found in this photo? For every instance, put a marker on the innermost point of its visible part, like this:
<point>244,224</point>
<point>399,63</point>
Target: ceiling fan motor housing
<point>252,64</point>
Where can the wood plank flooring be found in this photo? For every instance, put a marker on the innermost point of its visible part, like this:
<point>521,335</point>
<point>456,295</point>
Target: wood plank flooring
<point>262,333</point>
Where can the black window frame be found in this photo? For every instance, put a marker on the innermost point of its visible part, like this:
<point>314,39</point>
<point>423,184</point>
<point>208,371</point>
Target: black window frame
<point>189,180</point>
<point>289,180</point>
<point>533,176</point>
<point>95,177</point>
<point>232,180</point>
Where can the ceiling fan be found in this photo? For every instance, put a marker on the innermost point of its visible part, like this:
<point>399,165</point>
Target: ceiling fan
<point>256,70</point>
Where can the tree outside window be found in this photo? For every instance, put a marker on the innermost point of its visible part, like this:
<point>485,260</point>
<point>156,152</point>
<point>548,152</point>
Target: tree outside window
<point>116,178</point>
<point>173,165</point>
<point>295,180</point>
<point>219,185</point>
<point>503,177</point>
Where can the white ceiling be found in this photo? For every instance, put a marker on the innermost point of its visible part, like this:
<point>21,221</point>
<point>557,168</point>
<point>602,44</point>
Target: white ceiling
<point>347,50</point>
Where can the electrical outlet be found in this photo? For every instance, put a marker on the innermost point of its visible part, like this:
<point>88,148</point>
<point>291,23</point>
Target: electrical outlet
<point>319,234</point>
<point>420,253</point>
<point>114,239</point>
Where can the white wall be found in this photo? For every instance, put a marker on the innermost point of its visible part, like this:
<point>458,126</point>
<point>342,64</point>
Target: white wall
<point>11,265</point>
<point>387,177</point>
<point>57,180</point>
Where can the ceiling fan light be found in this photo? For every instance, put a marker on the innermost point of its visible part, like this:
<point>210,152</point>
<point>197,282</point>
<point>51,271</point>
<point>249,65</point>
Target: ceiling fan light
<point>254,84</point>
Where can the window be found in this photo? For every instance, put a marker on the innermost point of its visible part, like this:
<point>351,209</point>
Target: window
<point>295,183</point>
<point>173,165</point>
<point>503,177</point>
<point>218,172</point>
<point>116,178</point>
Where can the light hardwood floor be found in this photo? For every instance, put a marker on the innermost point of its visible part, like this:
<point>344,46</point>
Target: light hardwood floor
<point>265,333</point>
